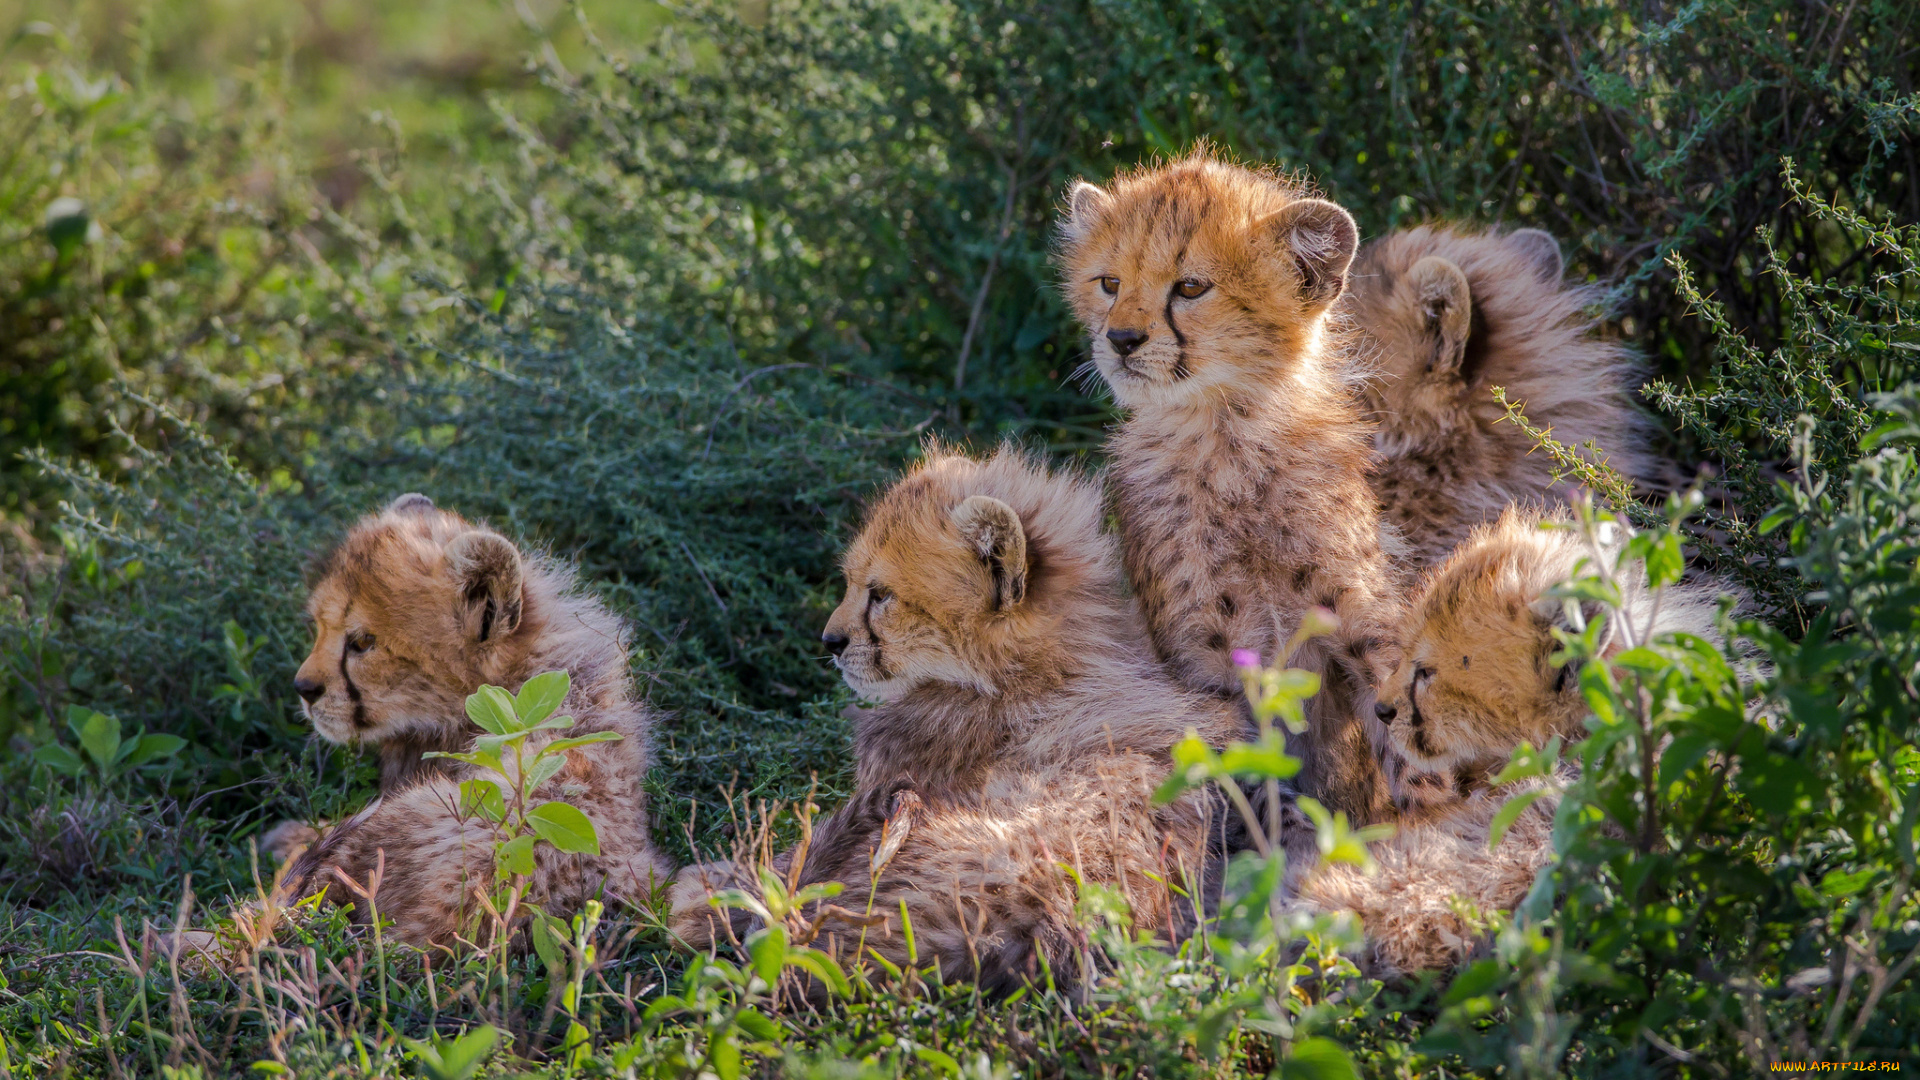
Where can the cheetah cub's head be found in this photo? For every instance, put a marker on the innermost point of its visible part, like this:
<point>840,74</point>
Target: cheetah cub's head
<point>411,612</point>
<point>1423,298</point>
<point>1478,677</point>
<point>1201,274</point>
<point>970,574</point>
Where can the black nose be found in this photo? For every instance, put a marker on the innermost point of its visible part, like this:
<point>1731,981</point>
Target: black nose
<point>836,643</point>
<point>310,689</point>
<point>1385,712</point>
<point>1125,341</point>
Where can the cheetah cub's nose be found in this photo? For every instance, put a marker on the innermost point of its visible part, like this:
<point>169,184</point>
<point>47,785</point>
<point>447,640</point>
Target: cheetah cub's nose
<point>1125,341</point>
<point>309,689</point>
<point>835,643</point>
<point>1384,711</point>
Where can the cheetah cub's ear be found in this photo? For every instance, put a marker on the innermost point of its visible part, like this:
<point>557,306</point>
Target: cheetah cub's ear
<point>411,503</point>
<point>1322,238</point>
<point>486,570</point>
<point>1446,306</point>
<point>1086,205</point>
<point>992,530</point>
<point>1541,251</point>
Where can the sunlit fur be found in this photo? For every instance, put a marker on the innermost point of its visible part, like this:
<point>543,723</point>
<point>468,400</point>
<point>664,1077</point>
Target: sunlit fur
<point>1240,473</point>
<point>1476,681</point>
<point>413,611</point>
<point>1016,697</point>
<point>1478,677</point>
<point>1445,316</point>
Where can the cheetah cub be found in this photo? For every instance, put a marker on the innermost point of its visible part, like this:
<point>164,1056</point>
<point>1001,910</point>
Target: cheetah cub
<point>413,611</point>
<point>1477,679</point>
<point>1019,721</point>
<point>1447,315</point>
<point>1240,472</point>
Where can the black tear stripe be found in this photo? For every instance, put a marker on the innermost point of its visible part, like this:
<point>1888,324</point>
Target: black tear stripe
<point>353,692</point>
<point>1180,368</point>
<point>866,620</point>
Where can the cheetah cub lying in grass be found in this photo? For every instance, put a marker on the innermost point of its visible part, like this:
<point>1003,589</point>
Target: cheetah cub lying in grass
<point>412,612</point>
<point>1445,316</point>
<point>1478,678</point>
<point>1240,472</point>
<point>1020,722</point>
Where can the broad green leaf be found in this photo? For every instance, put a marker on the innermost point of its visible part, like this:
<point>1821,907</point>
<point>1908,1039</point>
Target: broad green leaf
<point>540,696</point>
<point>478,759</point>
<point>456,1058</point>
<point>60,759</point>
<point>565,828</point>
<point>492,709</point>
<point>1527,762</point>
<point>543,769</point>
<point>758,1026</point>
<point>550,942</point>
<point>481,798</point>
<point>137,752</point>
<point>1840,883</point>
<point>1509,813</point>
<point>822,967</point>
<point>1317,1059</point>
<point>938,1059</point>
<point>100,736</point>
<point>1259,761</point>
<point>561,746</point>
<point>768,948</point>
<point>725,1055</point>
<point>1664,561</point>
<point>516,855</point>
<point>552,723</point>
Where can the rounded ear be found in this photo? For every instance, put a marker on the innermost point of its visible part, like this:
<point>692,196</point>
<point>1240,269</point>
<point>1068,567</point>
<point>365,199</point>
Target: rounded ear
<point>1322,239</point>
<point>487,573</point>
<point>1086,205</point>
<point>1542,253</point>
<point>992,530</point>
<point>1446,311</point>
<point>411,503</point>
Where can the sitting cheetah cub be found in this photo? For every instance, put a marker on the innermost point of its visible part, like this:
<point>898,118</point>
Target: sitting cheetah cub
<point>1446,316</point>
<point>1477,679</point>
<point>412,612</point>
<point>1020,721</point>
<point>1240,472</point>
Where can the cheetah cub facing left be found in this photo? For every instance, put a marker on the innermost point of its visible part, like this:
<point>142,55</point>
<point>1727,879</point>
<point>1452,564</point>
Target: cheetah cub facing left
<point>413,611</point>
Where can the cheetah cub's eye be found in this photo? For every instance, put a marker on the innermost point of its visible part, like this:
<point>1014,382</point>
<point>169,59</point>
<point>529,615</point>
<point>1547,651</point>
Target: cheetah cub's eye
<point>877,595</point>
<point>1109,285</point>
<point>359,642</point>
<point>1190,288</point>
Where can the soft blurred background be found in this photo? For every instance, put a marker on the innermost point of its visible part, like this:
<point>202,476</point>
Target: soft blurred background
<point>670,289</point>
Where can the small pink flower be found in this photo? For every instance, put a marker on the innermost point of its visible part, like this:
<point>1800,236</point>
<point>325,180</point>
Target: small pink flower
<point>1246,658</point>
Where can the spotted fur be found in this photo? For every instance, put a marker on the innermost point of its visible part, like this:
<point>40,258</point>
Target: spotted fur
<point>1240,472</point>
<point>414,610</point>
<point>1445,315</point>
<point>1014,697</point>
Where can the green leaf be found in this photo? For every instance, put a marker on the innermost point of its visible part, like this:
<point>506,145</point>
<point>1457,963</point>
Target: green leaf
<point>1317,1059</point>
<point>139,751</point>
<point>550,942</point>
<point>768,948</point>
<point>492,709</point>
<point>67,226</point>
<point>540,696</point>
<point>100,736</point>
<point>482,798</point>
<point>1665,564</point>
<point>938,1059</point>
<point>1259,761</point>
<point>543,769</point>
<point>453,1059</point>
<point>1509,813</point>
<point>565,828</point>
<point>725,1055</point>
<point>821,967</point>
<point>758,1026</point>
<point>561,746</point>
<point>516,855</point>
<point>60,759</point>
<point>479,759</point>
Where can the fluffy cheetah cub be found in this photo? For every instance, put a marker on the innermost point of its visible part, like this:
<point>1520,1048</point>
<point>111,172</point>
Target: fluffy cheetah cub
<point>414,610</point>
<point>1446,316</point>
<point>1019,721</point>
<point>1478,679</point>
<point>1240,472</point>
